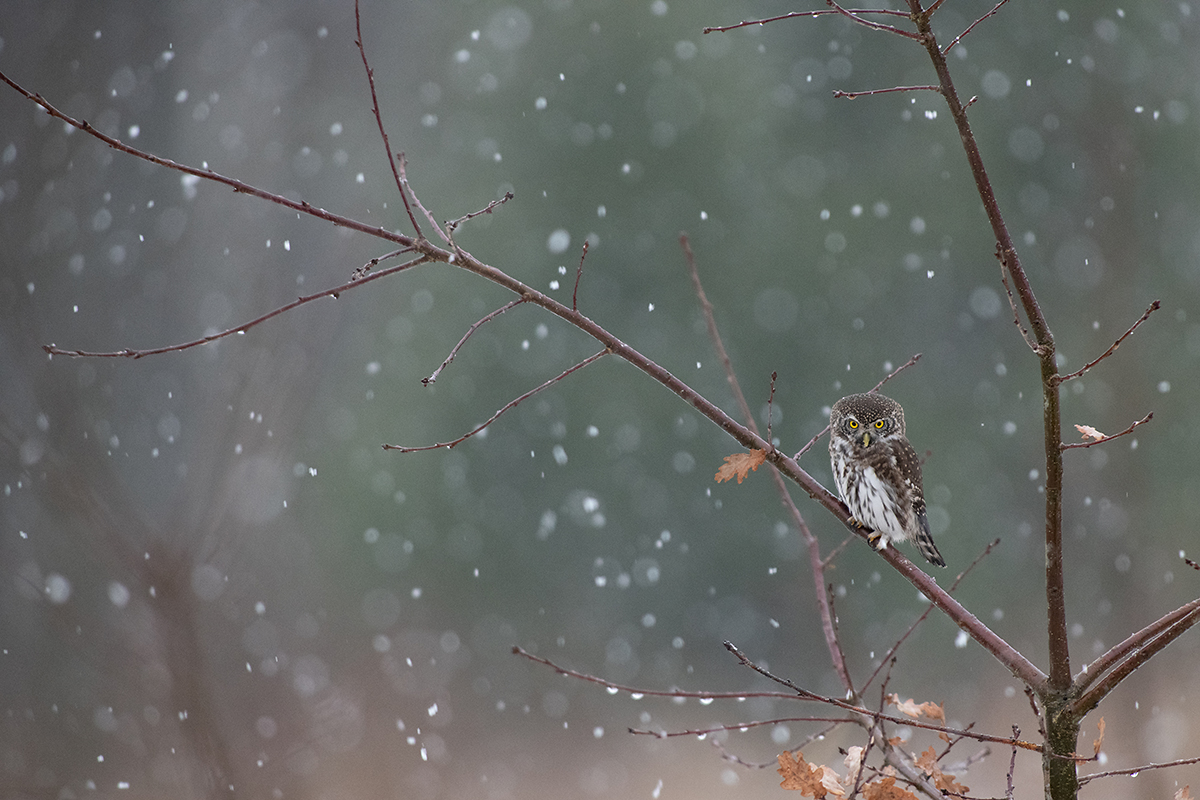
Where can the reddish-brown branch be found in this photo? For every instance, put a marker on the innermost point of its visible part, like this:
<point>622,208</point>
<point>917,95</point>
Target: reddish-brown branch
<point>1135,650</point>
<point>869,92</point>
<point>1060,659</point>
<point>748,22</point>
<point>379,121</point>
<point>453,224</point>
<point>1102,440</point>
<point>737,726</point>
<point>877,26</point>
<point>467,335</point>
<point>796,693</point>
<point>816,565</point>
<point>507,406</point>
<point>1077,373</point>
<point>1133,771</point>
<point>970,27</point>
<point>361,278</point>
<point>887,657</point>
<point>578,276</point>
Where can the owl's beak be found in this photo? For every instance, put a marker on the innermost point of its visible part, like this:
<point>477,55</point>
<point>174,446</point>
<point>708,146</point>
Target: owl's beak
<point>866,439</point>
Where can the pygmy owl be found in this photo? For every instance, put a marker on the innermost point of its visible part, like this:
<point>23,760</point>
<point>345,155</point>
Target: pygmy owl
<point>877,472</point>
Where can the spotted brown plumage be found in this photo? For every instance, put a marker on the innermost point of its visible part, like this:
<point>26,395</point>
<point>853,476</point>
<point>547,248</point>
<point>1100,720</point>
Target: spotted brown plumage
<point>877,472</point>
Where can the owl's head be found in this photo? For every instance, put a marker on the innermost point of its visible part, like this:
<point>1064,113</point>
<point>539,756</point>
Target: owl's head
<point>866,418</point>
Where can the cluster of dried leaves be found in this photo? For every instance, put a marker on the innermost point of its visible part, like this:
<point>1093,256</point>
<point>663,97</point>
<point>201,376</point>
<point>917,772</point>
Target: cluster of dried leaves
<point>821,781</point>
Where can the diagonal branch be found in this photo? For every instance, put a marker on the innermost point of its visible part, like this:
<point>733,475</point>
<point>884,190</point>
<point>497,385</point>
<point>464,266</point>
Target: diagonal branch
<point>1103,439</point>
<point>971,27</point>
<point>748,22</point>
<point>240,187</point>
<point>892,650</point>
<point>508,406</point>
<point>878,26</point>
<point>358,40</point>
<point>1077,373</point>
<point>869,92</point>
<point>478,323</point>
<point>1132,653</point>
<point>816,564</point>
<point>361,278</point>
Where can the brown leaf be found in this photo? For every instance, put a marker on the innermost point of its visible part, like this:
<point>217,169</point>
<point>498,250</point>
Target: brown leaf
<point>914,709</point>
<point>801,776</point>
<point>1088,432</point>
<point>928,761</point>
<point>739,465</point>
<point>1183,794</point>
<point>1099,740</point>
<point>886,789</point>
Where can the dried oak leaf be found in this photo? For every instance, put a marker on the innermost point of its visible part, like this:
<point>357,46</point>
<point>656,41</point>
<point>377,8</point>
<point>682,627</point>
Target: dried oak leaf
<point>740,465</point>
<point>813,780</point>
<point>928,761</point>
<point>1098,742</point>
<point>1088,432</point>
<point>886,789</point>
<point>914,709</point>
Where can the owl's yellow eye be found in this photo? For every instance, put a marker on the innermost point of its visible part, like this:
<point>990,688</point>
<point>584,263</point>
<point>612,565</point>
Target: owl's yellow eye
<point>879,424</point>
<point>853,424</point>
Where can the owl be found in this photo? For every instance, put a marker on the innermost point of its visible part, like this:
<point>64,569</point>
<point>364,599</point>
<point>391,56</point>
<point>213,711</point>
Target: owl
<point>877,472</point>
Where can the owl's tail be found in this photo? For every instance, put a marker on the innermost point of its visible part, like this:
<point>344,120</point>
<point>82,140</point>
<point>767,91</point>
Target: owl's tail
<point>925,542</point>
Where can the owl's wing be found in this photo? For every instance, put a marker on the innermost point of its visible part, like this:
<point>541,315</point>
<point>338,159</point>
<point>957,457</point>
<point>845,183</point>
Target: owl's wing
<point>910,471</point>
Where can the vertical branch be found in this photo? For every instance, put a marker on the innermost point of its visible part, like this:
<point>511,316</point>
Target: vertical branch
<point>1060,662</point>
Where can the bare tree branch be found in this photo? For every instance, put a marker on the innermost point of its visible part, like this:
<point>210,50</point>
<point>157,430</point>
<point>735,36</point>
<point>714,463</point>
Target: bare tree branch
<point>358,40</point>
<point>1103,439</point>
<point>467,335</point>
<point>361,278</point>
<point>509,405</point>
<point>1077,373</point>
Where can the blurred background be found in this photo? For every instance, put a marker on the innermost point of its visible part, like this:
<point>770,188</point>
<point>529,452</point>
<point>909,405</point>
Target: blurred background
<point>213,576</point>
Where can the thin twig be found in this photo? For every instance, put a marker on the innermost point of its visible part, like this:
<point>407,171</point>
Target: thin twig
<point>1077,373</point>
<point>770,405</point>
<point>737,726</point>
<point>1103,439</point>
<point>1012,302</point>
<point>1012,766</point>
<point>796,693</point>
<point>854,95</point>
<point>578,276</point>
<point>896,646</point>
<point>379,121</point>
<point>452,225</point>
<point>240,187</point>
<point>878,26</point>
<point>334,292</point>
<point>971,27</point>
<point>467,335</point>
<point>714,335</point>
<point>748,22</point>
<point>507,406</point>
<point>402,165</point>
<point>1135,770</point>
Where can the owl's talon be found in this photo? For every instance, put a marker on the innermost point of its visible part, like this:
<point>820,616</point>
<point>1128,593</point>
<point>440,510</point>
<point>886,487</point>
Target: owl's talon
<point>877,540</point>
